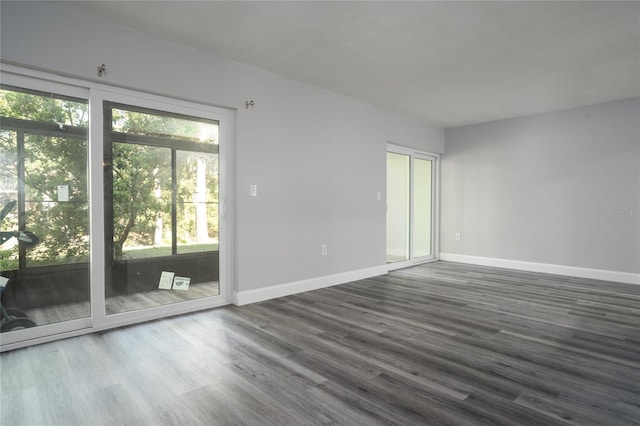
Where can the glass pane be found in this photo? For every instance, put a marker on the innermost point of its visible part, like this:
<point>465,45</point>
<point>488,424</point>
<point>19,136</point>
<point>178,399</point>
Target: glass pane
<point>56,201</point>
<point>166,126</point>
<point>44,257</point>
<point>42,107</point>
<point>197,203</point>
<point>421,207</point>
<point>141,201</point>
<point>398,192</point>
<point>165,212</point>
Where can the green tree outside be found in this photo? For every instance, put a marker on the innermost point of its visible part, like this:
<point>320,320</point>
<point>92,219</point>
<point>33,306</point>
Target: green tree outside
<point>141,184</point>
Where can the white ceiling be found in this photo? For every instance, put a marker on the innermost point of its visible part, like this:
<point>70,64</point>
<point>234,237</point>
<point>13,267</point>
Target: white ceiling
<point>448,63</point>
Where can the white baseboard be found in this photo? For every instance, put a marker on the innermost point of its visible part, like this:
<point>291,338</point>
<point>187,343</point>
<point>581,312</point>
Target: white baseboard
<point>547,268</point>
<point>258,295</point>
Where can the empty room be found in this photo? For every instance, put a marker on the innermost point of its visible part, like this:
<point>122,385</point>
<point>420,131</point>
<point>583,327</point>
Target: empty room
<point>319,212</point>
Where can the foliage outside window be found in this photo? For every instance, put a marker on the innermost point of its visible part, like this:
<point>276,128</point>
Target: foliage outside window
<point>43,146</point>
<point>164,184</point>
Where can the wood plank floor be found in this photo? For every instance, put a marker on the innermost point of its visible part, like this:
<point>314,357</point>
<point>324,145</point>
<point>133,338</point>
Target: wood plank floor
<point>441,343</point>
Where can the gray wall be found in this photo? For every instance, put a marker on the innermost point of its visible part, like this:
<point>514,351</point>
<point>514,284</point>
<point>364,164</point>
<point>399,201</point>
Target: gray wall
<point>318,158</point>
<point>560,188</point>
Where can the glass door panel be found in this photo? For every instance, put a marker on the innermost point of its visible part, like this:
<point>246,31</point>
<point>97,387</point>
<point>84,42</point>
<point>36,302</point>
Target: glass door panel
<point>161,208</point>
<point>398,208</point>
<point>422,217</point>
<point>44,252</point>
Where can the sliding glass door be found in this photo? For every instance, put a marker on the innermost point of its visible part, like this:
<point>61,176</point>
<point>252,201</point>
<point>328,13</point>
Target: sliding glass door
<point>44,211</point>
<point>111,208</point>
<point>411,219</point>
<point>161,208</point>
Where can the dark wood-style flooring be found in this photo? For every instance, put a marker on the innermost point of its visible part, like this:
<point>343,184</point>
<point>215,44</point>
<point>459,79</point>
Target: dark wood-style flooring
<point>441,343</point>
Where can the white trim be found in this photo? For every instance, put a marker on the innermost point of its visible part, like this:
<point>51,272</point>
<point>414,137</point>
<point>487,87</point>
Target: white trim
<point>435,211</point>
<point>44,85</point>
<point>57,332</point>
<point>409,263</point>
<point>96,209</point>
<point>81,83</point>
<point>280,290</point>
<point>160,312</point>
<point>17,337</point>
<point>547,268</point>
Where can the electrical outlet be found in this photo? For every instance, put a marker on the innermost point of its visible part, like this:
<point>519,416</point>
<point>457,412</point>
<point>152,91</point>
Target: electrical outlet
<point>323,249</point>
<point>253,190</point>
<point>458,236</point>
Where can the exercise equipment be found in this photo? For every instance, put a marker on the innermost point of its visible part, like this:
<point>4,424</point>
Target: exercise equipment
<point>13,318</point>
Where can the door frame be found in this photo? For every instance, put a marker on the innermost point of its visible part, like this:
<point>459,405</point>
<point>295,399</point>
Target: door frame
<point>164,104</point>
<point>97,93</point>
<point>34,335</point>
<point>435,205</point>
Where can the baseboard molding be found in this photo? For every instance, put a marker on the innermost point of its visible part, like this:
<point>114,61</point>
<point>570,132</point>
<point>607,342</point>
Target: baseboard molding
<point>547,268</point>
<point>252,296</point>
